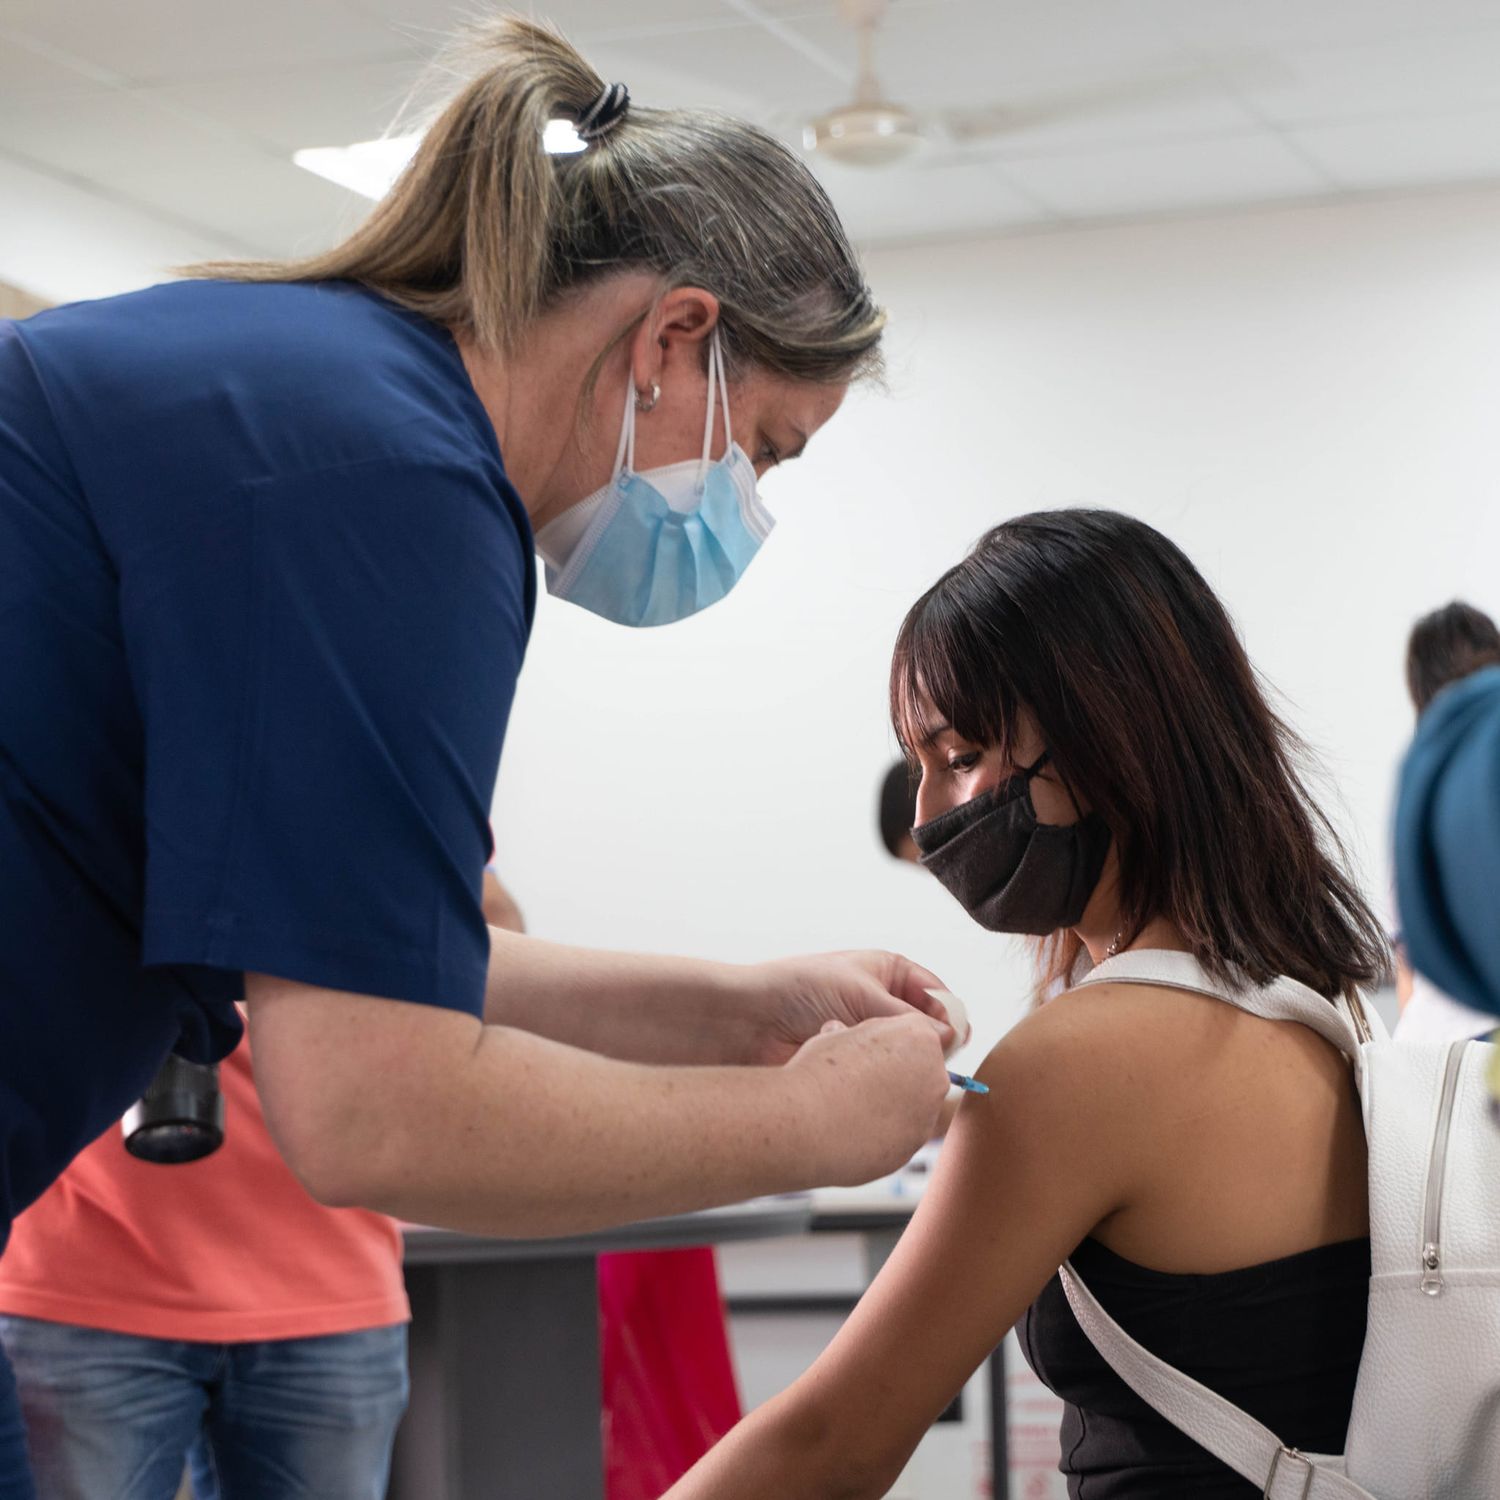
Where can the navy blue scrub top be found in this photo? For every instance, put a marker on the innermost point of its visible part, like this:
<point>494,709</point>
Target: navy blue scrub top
<point>265,591</point>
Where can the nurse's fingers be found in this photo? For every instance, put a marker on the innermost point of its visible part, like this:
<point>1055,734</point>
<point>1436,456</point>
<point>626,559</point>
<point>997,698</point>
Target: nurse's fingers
<point>907,981</point>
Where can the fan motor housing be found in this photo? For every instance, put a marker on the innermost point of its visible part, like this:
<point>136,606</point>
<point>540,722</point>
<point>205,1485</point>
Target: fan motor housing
<point>865,135</point>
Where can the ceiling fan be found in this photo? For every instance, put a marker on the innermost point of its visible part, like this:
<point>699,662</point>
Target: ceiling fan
<point>874,130</point>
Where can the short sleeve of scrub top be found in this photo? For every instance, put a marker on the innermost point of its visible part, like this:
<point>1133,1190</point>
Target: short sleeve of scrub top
<point>325,587</point>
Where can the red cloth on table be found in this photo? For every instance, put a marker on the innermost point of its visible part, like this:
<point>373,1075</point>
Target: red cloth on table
<point>669,1392</point>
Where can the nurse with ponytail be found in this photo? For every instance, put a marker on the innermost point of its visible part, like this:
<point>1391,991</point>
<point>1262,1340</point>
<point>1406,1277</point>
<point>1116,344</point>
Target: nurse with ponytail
<point>266,580</point>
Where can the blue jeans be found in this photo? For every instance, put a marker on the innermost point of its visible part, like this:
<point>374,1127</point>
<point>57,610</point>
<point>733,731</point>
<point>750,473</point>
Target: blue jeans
<point>110,1416</point>
<point>15,1471</point>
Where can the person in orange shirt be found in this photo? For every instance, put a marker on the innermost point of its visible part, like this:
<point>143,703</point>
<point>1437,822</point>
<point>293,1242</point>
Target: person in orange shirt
<point>211,1314</point>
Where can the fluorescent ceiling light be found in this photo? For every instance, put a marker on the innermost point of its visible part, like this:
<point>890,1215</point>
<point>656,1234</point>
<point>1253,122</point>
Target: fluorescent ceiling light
<point>370,167</point>
<point>366,167</point>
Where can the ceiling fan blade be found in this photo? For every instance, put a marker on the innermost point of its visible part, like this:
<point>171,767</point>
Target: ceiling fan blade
<point>980,122</point>
<point>1103,98</point>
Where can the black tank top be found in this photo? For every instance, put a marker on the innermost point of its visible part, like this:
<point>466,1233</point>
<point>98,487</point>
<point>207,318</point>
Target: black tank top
<point>1281,1340</point>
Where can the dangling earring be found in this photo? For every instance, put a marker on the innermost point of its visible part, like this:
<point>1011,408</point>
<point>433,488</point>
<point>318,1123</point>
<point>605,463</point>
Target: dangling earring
<point>643,403</point>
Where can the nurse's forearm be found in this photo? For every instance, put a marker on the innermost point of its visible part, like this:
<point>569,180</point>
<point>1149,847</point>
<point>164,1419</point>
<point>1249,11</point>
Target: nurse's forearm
<point>638,1007</point>
<point>430,1116</point>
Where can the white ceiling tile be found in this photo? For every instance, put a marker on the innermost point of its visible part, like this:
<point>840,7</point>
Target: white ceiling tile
<point>1428,73</point>
<point>979,52</point>
<point>746,70</point>
<point>1117,106</point>
<point>577,19</point>
<point>24,72</point>
<point>163,41</point>
<point>588,19</point>
<point>135,148</point>
<point>886,204</point>
<point>1167,177</point>
<point>1462,147</point>
<point>327,106</point>
<point>1173,104</point>
<point>1276,23</point>
<point>102,134</point>
<point>426,16</point>
<point>261,201</point>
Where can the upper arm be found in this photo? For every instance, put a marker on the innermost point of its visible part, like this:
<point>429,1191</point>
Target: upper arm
<point>341,1077</point>
<point>500,909</point>
<point>1025,1173</point>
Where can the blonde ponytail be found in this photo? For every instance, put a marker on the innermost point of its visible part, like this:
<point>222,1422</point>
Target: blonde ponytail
<point>485,229</point>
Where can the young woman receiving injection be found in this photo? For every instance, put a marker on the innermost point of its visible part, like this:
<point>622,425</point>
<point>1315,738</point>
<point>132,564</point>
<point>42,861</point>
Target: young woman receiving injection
<point>1100,768</point>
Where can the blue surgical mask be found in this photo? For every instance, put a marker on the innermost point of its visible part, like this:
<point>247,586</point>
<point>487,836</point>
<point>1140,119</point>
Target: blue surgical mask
<point>648,549</point>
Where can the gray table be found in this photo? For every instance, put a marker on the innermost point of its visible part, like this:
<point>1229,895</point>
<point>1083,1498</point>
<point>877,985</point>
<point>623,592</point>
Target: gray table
<point>505,1354</point>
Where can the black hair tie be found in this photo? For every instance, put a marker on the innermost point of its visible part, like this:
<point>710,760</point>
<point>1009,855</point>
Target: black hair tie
<point>604,113</point>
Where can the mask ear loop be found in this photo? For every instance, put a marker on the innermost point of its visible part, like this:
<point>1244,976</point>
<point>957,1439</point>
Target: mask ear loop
<point>723,392</point>
<point>715,378</point>
<point>625,453</point>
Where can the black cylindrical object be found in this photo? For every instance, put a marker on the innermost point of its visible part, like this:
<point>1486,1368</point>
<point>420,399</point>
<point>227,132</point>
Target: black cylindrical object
<point>180,1117</point>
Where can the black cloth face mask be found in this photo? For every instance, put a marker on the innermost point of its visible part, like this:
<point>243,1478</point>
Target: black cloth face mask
<point>1010,872</point>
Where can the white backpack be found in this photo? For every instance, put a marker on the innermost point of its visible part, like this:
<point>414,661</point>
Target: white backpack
<point>1426,1418</point>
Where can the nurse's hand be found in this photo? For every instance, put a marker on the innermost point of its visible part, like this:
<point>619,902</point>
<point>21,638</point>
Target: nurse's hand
<point>869,1095</point>
<point>794,998</point>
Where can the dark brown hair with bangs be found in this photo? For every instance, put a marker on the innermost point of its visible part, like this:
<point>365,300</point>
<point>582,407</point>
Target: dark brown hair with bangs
<point>1104,630</point>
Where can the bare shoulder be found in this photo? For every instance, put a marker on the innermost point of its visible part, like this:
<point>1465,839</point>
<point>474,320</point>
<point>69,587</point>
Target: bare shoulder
<point>1125,1061</point>
<point>1080,1074</point>
<point>1110,1034</point>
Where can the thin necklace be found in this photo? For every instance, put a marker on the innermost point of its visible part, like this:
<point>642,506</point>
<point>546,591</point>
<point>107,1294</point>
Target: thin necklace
<point>1114,944</point>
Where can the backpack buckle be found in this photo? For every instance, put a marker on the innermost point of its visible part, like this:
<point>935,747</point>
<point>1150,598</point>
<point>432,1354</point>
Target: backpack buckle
<point>1286,1452</point>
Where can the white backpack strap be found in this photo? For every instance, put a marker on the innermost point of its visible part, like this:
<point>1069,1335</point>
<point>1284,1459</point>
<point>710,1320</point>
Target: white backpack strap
<point>1282,1000</point>
<point>1234,1437</point>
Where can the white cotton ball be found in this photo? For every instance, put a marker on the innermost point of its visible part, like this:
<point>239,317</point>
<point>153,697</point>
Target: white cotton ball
<point>958,1016</point>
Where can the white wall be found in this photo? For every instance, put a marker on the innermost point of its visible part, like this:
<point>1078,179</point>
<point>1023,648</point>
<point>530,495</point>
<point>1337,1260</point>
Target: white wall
<point>1305,399</point>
